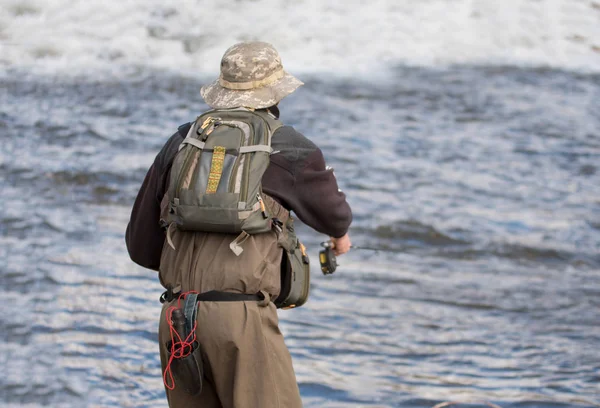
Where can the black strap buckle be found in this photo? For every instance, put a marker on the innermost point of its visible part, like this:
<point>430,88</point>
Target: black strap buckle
<point>168,295</point>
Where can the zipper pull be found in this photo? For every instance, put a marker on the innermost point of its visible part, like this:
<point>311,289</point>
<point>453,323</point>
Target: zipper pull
<point>277,225</point>
<point>263,209</point>
<point>208,126</point>
<point>207,122</point>
<point>305,259</point>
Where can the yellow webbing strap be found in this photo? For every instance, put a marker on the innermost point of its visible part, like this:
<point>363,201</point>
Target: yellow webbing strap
<point>216,169</point>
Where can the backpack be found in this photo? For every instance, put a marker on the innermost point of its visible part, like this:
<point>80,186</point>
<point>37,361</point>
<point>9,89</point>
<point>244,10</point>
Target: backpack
<point>215,185</point>
<point>215,180</point>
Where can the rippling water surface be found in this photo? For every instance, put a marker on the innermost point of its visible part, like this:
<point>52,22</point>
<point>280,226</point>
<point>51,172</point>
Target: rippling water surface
<point>482,184</point>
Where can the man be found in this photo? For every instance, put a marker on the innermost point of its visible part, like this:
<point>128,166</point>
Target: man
<point>246,363</point>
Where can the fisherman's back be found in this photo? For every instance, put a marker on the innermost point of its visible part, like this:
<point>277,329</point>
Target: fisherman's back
<point>246,362</point>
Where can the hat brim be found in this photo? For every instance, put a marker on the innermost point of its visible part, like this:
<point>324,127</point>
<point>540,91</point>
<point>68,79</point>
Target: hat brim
<point>219,97</point>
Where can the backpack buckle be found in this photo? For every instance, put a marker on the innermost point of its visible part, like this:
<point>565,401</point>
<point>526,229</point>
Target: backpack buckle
<point>236,244</point>
<point>169,294</point>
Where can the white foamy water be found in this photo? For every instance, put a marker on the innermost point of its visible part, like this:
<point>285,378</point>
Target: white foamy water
<point>347,37</point>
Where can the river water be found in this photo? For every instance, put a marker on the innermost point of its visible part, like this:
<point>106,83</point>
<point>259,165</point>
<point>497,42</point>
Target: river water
<point>466,134</point>
<point>482,183</point>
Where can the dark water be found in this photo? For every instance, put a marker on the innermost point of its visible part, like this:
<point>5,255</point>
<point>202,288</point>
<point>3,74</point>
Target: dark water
<point>483,183</point>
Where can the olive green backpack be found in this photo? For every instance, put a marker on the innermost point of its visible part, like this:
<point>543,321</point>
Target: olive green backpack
<point>215,185</point>
<point>215,180</point>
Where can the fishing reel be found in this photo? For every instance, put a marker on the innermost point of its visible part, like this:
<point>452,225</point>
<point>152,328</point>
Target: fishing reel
<point>327,258</point>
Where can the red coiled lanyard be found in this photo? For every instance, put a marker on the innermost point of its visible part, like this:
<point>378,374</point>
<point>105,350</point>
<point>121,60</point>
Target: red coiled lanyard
<point>180,348</point>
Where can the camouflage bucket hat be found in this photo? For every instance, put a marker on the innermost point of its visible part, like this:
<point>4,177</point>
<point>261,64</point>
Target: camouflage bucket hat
<point>251,76</point>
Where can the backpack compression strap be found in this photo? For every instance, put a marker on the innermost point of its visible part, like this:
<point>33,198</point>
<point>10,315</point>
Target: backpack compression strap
<point>244,149</point>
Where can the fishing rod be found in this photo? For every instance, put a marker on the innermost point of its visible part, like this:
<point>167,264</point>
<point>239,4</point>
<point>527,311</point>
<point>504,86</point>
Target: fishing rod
<point>393,251</point>
<point>328,260</point>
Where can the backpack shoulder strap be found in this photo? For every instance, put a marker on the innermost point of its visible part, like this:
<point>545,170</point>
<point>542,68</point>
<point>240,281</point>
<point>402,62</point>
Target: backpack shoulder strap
<point>185,128</point>
<point>272,121</point>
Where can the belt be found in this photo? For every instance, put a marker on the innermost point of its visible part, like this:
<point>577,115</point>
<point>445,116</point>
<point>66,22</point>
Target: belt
<point>190,301</point>
<point>215,296</point>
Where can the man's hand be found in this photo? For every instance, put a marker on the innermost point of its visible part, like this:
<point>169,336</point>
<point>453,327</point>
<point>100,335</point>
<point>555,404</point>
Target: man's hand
<point>341,245</point>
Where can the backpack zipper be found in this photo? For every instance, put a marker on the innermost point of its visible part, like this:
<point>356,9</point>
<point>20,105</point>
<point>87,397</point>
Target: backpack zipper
<point>210,123</point>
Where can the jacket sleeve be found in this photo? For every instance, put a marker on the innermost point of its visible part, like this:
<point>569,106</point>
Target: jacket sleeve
<point>298,178</point>
<point>144,236</point>
<point>321,204</point>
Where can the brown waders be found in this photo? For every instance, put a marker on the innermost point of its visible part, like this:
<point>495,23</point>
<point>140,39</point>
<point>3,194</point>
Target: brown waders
<point>246,363</point>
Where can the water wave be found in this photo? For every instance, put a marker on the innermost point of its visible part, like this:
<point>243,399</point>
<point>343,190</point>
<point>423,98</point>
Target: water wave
<point>349,38</point>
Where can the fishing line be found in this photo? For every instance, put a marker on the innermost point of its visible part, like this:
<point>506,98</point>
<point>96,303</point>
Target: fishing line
<point>328,260</point>
<point>363,248</point>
